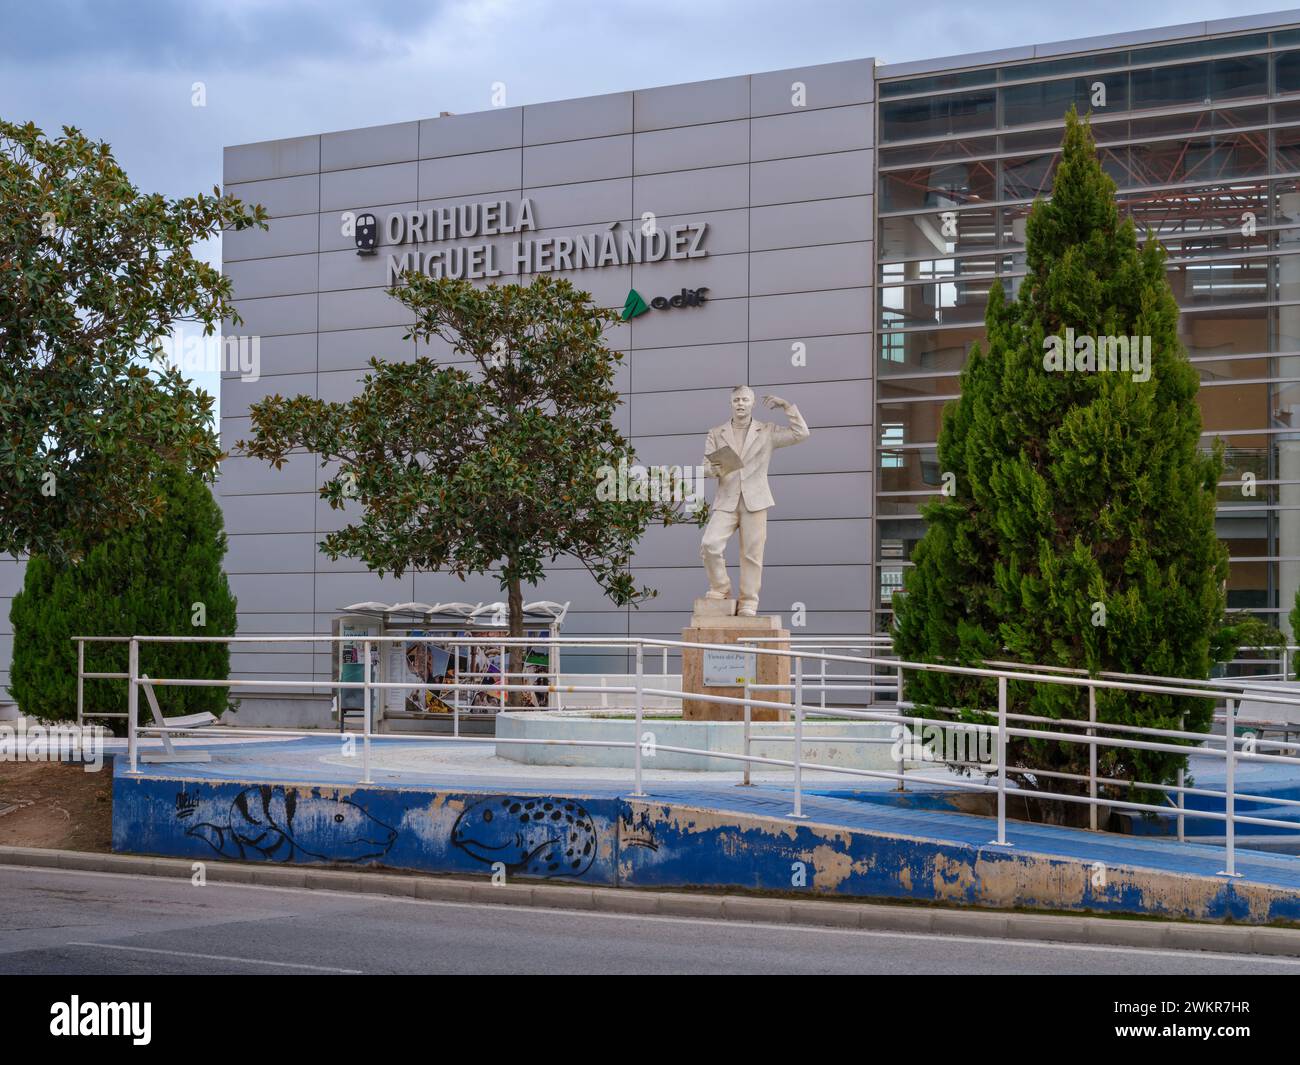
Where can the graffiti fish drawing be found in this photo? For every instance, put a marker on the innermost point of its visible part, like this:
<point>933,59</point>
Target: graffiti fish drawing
<point>278,825</point>
<point>553,837</point>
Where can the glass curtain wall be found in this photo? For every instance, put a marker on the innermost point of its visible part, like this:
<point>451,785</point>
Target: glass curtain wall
<point>1203,141</point>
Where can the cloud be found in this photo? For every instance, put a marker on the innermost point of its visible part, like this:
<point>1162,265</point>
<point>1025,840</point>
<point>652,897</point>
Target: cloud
<point>238,34</point>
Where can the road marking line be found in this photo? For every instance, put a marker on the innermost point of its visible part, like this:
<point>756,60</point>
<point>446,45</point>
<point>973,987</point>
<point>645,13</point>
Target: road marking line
<point>220,957</point>
<point>930,937</point>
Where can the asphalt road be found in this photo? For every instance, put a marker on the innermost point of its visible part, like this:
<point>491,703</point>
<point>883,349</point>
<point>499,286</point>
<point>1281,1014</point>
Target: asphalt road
<point>67,922</point>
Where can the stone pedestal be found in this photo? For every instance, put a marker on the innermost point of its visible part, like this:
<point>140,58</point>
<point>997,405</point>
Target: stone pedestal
<point>715,621</point>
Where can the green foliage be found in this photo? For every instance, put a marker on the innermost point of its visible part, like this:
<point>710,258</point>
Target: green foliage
<point>1245,631</point>
<point>493,468</point>
<point>1081,497</point>
<point>143,581</point>
<point>93,274</point>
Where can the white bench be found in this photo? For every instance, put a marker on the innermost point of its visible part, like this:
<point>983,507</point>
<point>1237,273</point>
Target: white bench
<point>169,753</point>
<point>1269,717</point>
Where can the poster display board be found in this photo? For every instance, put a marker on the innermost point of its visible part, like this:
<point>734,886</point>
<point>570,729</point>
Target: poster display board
<point>429,658</point>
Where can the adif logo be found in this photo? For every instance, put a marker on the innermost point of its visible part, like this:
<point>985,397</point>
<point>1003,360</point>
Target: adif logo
<point>635,304</point>
<point>132,1019</point>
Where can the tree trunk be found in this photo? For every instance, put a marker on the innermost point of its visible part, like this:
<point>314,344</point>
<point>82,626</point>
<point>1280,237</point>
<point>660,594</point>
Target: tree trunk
<point>516,656</point>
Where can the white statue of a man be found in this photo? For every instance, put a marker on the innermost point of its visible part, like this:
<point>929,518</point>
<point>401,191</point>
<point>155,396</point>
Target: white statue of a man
<point>737,453</point>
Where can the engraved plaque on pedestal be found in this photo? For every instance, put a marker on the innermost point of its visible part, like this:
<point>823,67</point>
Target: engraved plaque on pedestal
<point>713,625</point>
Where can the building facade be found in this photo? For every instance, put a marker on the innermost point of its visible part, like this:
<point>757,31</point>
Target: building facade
<point>754,193</point>
<point>1198,127</point>
<point>835,230</point>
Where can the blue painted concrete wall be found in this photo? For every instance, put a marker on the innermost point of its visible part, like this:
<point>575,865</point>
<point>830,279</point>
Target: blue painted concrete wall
<point>534,836</point>
<point>615,841</point>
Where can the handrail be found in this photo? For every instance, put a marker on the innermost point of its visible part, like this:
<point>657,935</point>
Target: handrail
<point>1094,733</point>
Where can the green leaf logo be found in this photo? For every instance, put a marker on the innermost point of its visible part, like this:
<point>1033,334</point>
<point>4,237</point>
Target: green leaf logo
<point>634,305</point>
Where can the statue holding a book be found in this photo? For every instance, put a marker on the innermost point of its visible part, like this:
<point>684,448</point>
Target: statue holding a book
<point>737,454</point>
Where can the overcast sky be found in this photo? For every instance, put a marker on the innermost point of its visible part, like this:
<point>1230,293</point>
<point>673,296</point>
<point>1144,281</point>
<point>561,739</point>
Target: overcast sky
<point>123,70</point>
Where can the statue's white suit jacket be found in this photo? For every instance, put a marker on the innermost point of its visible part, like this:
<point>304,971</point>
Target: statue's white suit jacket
<point>750,482</point>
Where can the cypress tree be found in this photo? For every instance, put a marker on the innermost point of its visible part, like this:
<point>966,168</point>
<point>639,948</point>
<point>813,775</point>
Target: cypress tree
<point>1080,529</point>
<point>160,577</point>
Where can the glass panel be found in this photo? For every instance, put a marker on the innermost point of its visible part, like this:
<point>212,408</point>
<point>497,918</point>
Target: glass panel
<point>1064,66</point>
<point>938,116</point>
<point>1287,71</point>
<point>1287,149</point>
<point>896,539</point>
<point>944,185</point>
<point>918,386</point>
<point>1034,141</point>
<point>907,471</point>
<point>939,269</point>
<point>1231,495</point>
<point>918,423</point>
<point>1239,460</point>
<point>942,151</point>
<point>930,234</point>
<point>1197,122</point>
<point>1200,48</point>
<point>903,506</point>
<point>1204,244</point>
<point>1234,407</point>
<point>1227,371</point>
<point>1170,86</point>
<point>1225,331</point>
<point>1192,210</point>
<point>1025,179</point>
<point>1048,101</point>
<point>932,349</point>
<point>1237,117</point>
<point>1208,157</point>
<point>1249,586</point>
<point>942,303</point>
<point>1191,83</point>
<point>937,83</point>
<point>1243,281</point>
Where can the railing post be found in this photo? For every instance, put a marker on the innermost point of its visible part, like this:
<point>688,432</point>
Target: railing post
<point>900,763</point>
<point>1182,797</point>
<point>558,650</point>
<point>132,702</point>
<point>504,659</point>
<point>81,681</point>
<point>798,737</point>
<point>1230,790</point>
<point>1286,656</point>
<point>455,692</point>
<point>1001,841</point>
<point>748,715</point>
<point>640,705</point>
<point>1092,757</point>
<point>365,738</point>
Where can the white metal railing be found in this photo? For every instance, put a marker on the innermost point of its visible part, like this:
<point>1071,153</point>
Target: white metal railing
<point>1090,731</point>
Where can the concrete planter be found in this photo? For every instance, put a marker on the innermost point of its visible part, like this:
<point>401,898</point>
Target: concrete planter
<point>825,742</point>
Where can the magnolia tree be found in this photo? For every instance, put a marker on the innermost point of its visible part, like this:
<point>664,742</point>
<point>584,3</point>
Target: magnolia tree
<point>1076,524</point>
<point>501,466</point>
<point>93,275</point>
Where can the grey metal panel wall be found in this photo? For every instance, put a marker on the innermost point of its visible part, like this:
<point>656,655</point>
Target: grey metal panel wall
<point>787,192</point>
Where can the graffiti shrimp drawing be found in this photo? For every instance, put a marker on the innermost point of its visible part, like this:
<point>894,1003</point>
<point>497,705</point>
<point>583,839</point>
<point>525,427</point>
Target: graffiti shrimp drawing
<point>550,836</point>
<point>276,824</point>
